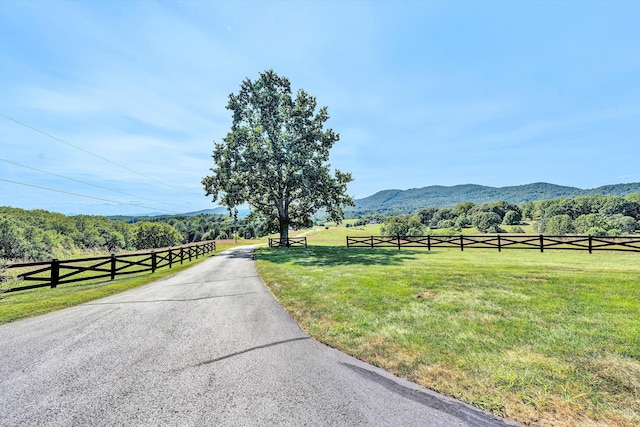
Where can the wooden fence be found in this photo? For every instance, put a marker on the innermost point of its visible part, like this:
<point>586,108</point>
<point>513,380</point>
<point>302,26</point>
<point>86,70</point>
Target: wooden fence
<point>499,242</point>
<point>57,272</point>
<point>289,242</point>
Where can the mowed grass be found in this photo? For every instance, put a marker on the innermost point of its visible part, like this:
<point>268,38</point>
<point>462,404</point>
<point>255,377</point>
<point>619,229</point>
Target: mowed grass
<point>543,339</point>
<point>23,304</point>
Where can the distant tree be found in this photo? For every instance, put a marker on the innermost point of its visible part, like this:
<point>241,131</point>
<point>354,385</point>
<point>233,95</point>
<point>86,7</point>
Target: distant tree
<point>249,232</point>
<point>486,221</point>
<point>426,214</point>
<point>463,208</point>
<point>586,224</point>
<point>395,226</point>
<point>633,198</point>
<point>559,225</point>
<point>623,224</point>
<point>35,245</point>
<point>584,205</point>
<point>512,217</point>
<point>275,158</point>
<point>619,205</point>
<point>415,231</point>
<point>501,208</point>
<point>12,243</point>
<point>528,210</point>
<point>461,222</point>
<point>210,235</point>
<point>126,231</point>
<point>559,206</point>
<point>446,223</point>
<point>415,226</point>
<point>114,241</point>
<point>442,214</point>
<point>151,235</point>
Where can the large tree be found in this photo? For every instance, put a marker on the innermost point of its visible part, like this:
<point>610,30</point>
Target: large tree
<point>276,157</point>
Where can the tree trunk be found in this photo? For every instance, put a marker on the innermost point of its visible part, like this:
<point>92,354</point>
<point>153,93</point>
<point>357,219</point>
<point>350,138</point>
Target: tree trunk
<point>284,230</point>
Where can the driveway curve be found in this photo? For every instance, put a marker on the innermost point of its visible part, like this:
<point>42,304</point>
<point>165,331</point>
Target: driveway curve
<point>209,346</point>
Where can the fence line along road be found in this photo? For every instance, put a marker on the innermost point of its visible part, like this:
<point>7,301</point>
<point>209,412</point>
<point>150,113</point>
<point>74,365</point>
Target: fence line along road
<point>57,272</point>
<point>537,242</point>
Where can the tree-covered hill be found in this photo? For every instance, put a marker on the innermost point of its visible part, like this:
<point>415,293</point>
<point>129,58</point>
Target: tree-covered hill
<point>447,197</point>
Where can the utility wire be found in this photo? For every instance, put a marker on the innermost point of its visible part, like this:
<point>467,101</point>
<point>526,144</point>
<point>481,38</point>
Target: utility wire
<point>87,151</point>
<point>83,182</point>
<point>85,196</point>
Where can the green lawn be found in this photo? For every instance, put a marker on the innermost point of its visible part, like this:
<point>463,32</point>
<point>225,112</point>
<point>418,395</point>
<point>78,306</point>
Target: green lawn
<point>540,338</point>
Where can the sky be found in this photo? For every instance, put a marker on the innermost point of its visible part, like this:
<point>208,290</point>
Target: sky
<point>112,107</point>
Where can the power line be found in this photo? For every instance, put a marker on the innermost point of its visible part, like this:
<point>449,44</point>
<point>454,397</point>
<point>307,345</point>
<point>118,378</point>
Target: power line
<point>86,151</point>
<point>83,182</point>
<point>85,196</point>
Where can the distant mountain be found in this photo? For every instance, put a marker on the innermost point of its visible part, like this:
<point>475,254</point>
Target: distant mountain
<point>218,211</point>
<point>447,197</point>
<point>154,216</point>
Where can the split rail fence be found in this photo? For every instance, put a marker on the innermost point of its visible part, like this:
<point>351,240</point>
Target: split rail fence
<point>499,242</point>
<point>288,242</point>
<point>57,272</point>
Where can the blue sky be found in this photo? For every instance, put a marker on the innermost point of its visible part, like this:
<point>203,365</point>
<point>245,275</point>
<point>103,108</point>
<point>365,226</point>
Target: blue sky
<point>122,100</point>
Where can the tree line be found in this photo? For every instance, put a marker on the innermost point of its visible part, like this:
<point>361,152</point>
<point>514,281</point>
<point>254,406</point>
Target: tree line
<point>39,234</point>
<point>595,215</point>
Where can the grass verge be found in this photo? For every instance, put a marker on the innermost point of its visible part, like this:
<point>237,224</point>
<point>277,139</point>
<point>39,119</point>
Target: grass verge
<point>539,338</point>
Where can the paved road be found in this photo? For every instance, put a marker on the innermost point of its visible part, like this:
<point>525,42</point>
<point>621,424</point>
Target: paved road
<point>207,347</point>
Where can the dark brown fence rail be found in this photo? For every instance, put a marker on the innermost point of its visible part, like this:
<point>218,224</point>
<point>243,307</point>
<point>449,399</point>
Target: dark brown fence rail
<point>56,272</point>
<point>289,242</point>
<point>499,242</point>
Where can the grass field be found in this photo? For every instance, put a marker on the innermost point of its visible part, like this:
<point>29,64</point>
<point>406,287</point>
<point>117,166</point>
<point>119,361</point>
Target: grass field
<point>539,338</point>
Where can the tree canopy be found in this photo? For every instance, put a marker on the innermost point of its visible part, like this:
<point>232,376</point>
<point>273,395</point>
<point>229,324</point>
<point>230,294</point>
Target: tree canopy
<point>275,158</point>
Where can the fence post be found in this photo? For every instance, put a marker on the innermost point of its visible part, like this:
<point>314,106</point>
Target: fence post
<point>590,243</point>
<point>499,245</point>
<point>461,243</point>
<point>541,243</point>
<point>371,242</point>
<point>154,261</point>
<point>181,254</point>
<point>197,250</point>
<point>55,273</point>
<point>170,257</point>
<point>398,242</point>
<point>190,247</point>
<point>428,242</point>
<point>113,266</point>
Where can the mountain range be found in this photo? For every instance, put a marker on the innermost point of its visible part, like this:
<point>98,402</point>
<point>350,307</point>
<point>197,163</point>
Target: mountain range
<point>447,197</point>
